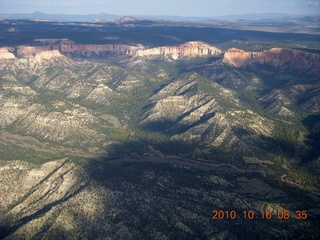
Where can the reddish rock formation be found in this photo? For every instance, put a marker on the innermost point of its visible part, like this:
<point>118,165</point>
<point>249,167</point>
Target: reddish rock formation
<point>274,56</point>
<point>186,49</point>
<point>67,46</point>
<point>235,57</point>
<point>11,29</point>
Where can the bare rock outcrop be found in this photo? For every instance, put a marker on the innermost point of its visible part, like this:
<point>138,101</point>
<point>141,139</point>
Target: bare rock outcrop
<point>38,53</point>
<point>5,54</point>
<point>187,49</point>
<point>274,56</point>
<point>96,48</point>
<point>31,51</point>
<point>67,46</point>
<point>48,55</point>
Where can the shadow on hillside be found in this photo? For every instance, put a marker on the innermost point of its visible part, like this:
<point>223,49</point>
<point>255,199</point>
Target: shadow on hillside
<point>136,155</point>
<point>313,124</point>
<point>152,189</point>
<point>6,230</point>
<point>140,183</point>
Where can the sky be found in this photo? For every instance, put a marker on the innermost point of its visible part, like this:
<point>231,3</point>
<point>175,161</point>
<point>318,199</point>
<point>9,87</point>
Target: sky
<point>197,8</point>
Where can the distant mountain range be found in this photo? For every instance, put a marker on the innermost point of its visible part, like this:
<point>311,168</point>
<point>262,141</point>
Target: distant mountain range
<point>59,17</point>
<point>106,16</point>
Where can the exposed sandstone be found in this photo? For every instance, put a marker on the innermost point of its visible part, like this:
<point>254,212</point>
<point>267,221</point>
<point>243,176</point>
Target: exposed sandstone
<point>5,54</point>
<point>67,46</point>
<point>98,48</point>
<point>186,49</point>
<point>48,55</point>
<point>31,51</point>
<point>275,56</point>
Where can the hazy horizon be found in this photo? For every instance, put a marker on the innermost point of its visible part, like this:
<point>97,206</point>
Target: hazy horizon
<point>190,8</point>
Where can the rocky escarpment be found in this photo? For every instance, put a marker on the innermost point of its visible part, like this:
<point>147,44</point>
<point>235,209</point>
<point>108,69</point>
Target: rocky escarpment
<point>274,56</point>
<point>67,46</point>
<point>36,53</point>
<point>6,54</point>
<point>45,55</point>
<point>190,49</point>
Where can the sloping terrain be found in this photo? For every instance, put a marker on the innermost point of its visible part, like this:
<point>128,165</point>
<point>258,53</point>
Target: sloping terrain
<point>127,200</point>
<point>136,142</point>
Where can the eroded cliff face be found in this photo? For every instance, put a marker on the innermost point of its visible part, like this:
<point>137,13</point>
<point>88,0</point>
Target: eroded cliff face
<point>55,48</point>
<point>187,49</point>
<point>120,48</point>
<point>5,54</point>
<point>275,56</point>
<point>71,47</point>
<point>235,57</point>
<point>44,55</point>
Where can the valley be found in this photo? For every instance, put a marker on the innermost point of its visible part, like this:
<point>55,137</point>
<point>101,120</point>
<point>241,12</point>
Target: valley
<point>105,132</point>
